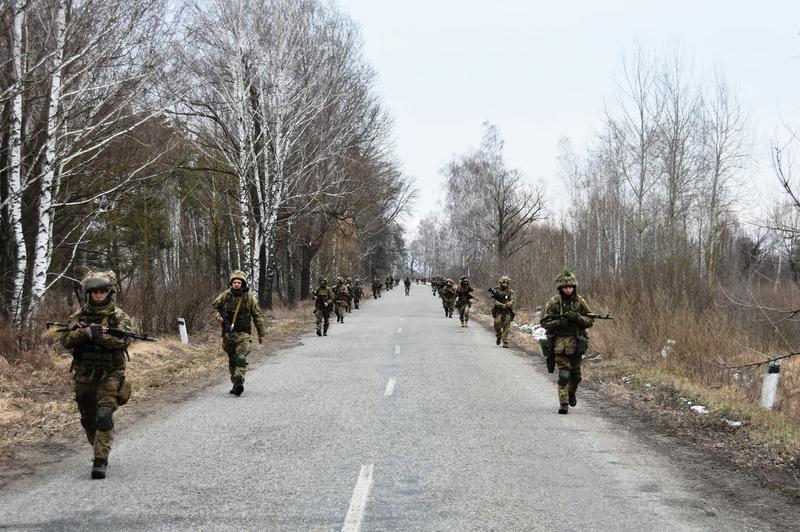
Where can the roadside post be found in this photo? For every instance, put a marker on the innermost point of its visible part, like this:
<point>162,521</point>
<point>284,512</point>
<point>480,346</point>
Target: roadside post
<point>182,331</point>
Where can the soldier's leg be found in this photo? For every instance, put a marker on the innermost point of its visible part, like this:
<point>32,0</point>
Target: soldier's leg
<point>326,321</point>
<point>107,393</point>
<point>575,379</point>
<point>86,397</point>
<point>498,327</point>
<point>466,314</point>
<point>506,327</point>
<point>230,349</point>
<point>564,366</point>
<point>318,315</point>
<point>242,347</point>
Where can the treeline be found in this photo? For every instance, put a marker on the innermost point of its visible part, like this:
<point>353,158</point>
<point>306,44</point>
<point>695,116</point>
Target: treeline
<point>653,217</point>
<point>174,142</point>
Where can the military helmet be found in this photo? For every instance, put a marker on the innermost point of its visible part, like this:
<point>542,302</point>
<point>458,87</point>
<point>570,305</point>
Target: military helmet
<point>349,279</point>
<point>238,274</point>
<point>449,281</point>
<point>504,279</point>
<point>566,278</point>
<point>339,279</point>
<point>323,280</point>
<point>464,279</point>
<point>106,280</point>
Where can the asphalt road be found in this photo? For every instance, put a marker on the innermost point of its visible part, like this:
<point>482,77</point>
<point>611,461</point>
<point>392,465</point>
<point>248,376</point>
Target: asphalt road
<point>398,420</point>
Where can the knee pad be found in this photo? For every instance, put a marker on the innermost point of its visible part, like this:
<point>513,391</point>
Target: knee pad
<point>563,377</point>
<point>104,420</point>
<point>88,423</point>
<point>241,359</point>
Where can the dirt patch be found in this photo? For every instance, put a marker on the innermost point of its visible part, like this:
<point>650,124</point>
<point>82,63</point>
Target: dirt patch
<point>754,464</point>
<point>38,417</point>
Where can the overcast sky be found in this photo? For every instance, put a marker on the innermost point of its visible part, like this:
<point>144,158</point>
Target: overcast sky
<point>541,71</point>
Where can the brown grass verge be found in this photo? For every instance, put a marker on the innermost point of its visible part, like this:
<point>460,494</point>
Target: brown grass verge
<point>37,406</point>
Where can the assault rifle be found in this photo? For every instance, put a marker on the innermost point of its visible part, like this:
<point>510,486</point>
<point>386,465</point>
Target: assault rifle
<point>500,298</point>
<point>119,333</point>
<point>554,317</point>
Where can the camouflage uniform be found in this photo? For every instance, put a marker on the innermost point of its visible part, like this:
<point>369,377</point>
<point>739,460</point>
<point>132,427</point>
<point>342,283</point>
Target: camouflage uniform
<point>358,293</point>
<point>568,336</point>
<point>323,304</point>
<point>341,295</point>
<point>464,300</point>
<point>448,295</point>
<point>98,365</point>
<point>503,310</point>
<point>236,344</point>
<point>376,288</point>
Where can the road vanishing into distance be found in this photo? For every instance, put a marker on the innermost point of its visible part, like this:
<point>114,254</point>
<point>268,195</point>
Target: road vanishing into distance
<point>398,420</point>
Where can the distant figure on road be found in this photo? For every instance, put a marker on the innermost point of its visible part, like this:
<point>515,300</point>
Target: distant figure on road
<point>358,293</point>
<point>376,288</point>
<point>448,295</point>
<point>503,309</point>
<point>323,305</point>
<point>564,320</point>
<point>349,284</point>
<point>341,295</point>
<point>464,300</point>
<point>98,363</point>
<point>235,310</point>
<point>407,284</point>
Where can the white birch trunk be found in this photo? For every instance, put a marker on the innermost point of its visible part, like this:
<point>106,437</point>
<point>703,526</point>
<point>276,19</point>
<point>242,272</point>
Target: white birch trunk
<point>15,175</point>
<point>43,250</point>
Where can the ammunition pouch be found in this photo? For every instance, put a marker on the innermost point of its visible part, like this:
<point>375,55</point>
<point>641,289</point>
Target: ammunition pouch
<point>547,346</point>
<point>124,392</point>
<point>105,421</point>
<point>583,345</point>
<point>98,359</point>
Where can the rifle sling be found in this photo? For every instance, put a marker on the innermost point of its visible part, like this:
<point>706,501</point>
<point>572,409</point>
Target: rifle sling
<point>236,312</point>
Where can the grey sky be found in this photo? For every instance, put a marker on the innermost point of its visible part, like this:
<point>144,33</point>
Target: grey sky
<point>542,70</point>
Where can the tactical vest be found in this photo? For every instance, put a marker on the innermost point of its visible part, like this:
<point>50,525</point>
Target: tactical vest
<point>502,296</point>
<point>243,320</point>
<point>97,359</point>
<point>572,328</point>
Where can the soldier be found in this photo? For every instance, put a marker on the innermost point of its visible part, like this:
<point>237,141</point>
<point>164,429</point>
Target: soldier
<point>464,300</point>
<point>358,293</point>
<point>407,284</point>
<point>98,364</point>
<point>349,284</point>
<point>235,310</point>
<point>341,295</point>
<point>376,288</point>
<point>564,318</point>
<point>389,282</point>
<point>323,304</point>
<point>448,295</point>
<point>503,309</point>
<point>435,284</point>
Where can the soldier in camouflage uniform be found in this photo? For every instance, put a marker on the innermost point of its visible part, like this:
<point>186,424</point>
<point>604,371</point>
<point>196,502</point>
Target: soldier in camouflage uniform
<point>564,318</point>
<point>464,300</point>
<point>407,285</point>
<point>376,288</point>
<point>503,310</point>
<point>358,293</point>
<point>236,309</point>
<point>448,295</point>
<point>349,283</point>
<point>323,304</point>
<point>341,295</point>
<point>98,364</point>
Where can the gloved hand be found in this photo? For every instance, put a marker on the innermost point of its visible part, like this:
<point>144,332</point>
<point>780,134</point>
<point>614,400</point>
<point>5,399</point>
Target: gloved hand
<point>573,315</point>
<point>94,330</point>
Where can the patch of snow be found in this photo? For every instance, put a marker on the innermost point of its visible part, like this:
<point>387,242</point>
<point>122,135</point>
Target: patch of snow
<point>734,424</point>
<point>669,347</point>
<point>700,409</point>
<point>597,358</point>
<point>627,379</point>
<point>533,329</point>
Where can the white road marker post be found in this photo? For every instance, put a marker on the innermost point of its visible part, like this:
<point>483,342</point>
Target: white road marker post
<point>358,503</point>
<point>182,331</point>
<point>769,388</point>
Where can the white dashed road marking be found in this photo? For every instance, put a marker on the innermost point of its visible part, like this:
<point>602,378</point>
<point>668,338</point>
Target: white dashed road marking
<point>389,387</point>
<point>358,503</point>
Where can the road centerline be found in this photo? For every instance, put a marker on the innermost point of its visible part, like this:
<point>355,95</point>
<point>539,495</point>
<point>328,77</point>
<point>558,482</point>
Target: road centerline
<point>390,387</point>
<point>358,502</point>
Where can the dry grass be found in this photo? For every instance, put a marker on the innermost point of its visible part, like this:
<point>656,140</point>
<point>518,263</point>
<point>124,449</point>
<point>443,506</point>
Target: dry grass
<point>36,402</point>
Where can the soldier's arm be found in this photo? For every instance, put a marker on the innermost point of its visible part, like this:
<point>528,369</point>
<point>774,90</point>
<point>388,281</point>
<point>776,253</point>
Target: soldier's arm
<point>258,316</point>
<point>584,321</point>
<point>218,306</point>
<point>511,298</point>
<point>73,337</point>
<point>549,310</point>
<point>114,342</point>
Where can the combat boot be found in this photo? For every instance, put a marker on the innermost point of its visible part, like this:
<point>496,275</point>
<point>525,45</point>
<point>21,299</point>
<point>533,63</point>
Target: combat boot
<point>319,333</point>
<point>99,468</point>
<point>497,340</point>
<point>238,387</point>
<point>573,400</point>
<point>563,409</point>
<point>505,344</point>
